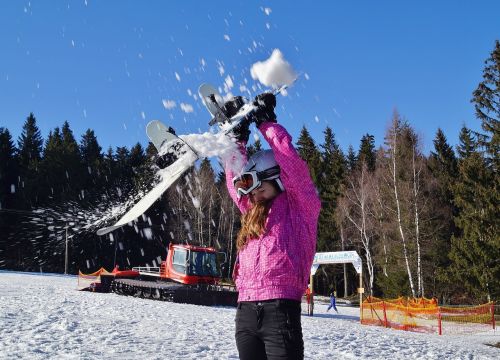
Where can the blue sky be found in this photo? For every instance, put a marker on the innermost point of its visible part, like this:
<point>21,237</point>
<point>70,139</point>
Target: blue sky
<point>108,65</point>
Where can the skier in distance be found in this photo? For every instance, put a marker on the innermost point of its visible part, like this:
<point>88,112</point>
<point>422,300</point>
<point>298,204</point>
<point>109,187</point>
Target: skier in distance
<point>277,241</point>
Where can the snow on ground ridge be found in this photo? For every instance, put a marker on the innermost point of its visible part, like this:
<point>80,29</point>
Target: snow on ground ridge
<point>45,317</point>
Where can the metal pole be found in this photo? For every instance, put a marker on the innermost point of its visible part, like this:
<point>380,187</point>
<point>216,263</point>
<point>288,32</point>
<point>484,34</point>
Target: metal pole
<point>311,304</point>
<point>361,294</point>
<point>66,255</point>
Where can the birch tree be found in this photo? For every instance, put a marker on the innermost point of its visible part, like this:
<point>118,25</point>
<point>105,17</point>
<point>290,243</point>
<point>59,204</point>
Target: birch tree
<point>356,206</point>
<point>393,177</point>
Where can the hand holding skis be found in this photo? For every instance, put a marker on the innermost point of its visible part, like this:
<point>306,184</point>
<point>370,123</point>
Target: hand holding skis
<point>264,109</point>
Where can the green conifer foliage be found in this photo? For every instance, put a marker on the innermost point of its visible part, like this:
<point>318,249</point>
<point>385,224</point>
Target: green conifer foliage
<point>90,148</point>
<point>8,170</point>
<point>351,158</point>
<point>333,168</point>
<point>366,152</point>
<point>92,162</point>
<point>475,252</point>
<point>8,189</point>
<point>486,99</point>
<point>30,153</point>
<point>53,168</point>
<point>442,164</point>
<point>309,152</point>
<point>72,163</point>
<point>30,142</point>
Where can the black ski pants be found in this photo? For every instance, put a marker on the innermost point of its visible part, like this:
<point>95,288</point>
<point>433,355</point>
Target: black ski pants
<point>269,330</point>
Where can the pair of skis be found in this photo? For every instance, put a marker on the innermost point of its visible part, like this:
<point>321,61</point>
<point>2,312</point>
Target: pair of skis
<point>181,155</point>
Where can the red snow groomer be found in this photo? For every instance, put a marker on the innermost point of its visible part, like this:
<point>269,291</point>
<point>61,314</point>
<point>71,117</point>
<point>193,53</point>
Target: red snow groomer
<point>190,274</point>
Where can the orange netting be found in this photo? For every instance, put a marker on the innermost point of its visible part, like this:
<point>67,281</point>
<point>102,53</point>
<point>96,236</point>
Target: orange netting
<point>402,301</point>
<point>86,281</point>
<point>424,315</point>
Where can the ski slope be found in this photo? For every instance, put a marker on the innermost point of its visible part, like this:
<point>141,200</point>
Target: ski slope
<point>45,317</point>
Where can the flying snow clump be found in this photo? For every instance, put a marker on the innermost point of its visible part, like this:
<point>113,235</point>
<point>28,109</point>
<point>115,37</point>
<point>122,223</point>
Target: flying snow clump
<point>169,104</point>
<point>187,108</point>
<point>228,84</point>
<point>220,67</point>
<point>274,72</point>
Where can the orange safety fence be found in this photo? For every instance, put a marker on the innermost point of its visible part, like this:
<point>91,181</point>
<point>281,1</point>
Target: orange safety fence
<point>403,301</point>
<point>87,281</point>
<point>424,315</point>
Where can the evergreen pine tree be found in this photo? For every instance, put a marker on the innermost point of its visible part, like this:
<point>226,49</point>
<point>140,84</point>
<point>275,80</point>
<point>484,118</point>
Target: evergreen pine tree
<point>333,168</point>
<point>30,142</point>
<point>476,250</point>
<point>53,168</point>
<point>151,151</point>
<point>93,164</point>
<point>72,163</point>
<point>8,199</point>
<point>122,157</point>
<point>442,164</point>
<point>8,170</point>
<point>351,158</point>
<point>477,193</point>
<point>443,153</point>
<point>486,99</point>
<point>366,152</point>
<point>30,153</point>
<point>90,149</point>
<point>109,168</point>
<point>137,157</point>
<point>138,162</point>
<point>467,144</point>
<point>309,152</point>
<point>122,173</point>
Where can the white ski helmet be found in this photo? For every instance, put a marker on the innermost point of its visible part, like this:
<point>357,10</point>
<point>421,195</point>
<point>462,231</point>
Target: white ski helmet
<point>261,166</point>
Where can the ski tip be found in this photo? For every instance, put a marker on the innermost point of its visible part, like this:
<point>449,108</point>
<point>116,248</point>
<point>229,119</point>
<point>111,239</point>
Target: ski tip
<point>106,230</point>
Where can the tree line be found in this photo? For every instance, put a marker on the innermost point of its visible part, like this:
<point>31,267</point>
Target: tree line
<point>424,224</point>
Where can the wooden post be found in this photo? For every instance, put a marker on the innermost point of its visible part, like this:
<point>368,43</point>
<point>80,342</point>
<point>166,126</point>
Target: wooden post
<point>493,315</point>
<point>385,314</point>
<point>439,322</point>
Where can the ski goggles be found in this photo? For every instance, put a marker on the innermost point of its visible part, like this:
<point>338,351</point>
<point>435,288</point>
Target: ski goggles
<point>248,181</point>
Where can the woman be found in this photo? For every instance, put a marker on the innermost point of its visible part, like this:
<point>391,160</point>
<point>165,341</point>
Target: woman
<point>277,240</point>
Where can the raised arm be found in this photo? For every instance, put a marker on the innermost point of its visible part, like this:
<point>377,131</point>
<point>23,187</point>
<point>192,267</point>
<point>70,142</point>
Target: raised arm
<point>294,171</point>
<point>242,202</point>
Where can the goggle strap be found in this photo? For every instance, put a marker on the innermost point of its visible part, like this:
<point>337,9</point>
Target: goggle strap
<point>262,175</point>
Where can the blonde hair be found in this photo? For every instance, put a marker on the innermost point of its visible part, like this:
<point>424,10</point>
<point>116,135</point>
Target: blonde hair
<point>253,223</point>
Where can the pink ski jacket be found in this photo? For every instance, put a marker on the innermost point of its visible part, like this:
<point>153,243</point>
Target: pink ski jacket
<point>278,263</point>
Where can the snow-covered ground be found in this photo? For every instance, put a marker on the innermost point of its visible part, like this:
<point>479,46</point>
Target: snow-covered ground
<point>45,317</point>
